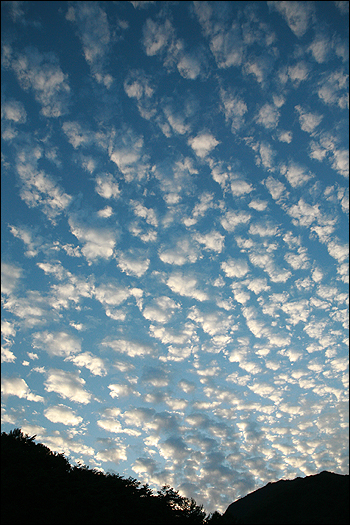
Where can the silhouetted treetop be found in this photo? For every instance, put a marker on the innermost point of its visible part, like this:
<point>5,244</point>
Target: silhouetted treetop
<point>40,486</point>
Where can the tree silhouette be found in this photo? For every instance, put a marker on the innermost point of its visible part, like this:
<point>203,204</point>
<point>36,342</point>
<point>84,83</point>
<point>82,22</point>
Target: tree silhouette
<point>40,486</point>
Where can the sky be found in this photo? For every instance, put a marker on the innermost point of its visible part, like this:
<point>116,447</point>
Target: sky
<point>174,238</point>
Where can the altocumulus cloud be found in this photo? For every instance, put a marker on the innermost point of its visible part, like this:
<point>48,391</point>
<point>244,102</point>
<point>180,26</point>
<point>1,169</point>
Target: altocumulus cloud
<point>175,238</point>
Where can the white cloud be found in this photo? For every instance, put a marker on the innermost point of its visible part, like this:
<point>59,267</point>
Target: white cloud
<point>176,120</point>
<point>130,348</point>
<point>258,205</point>
<point>38,188</point>
<point>62,414</point>
<point>320,49</point>
<point>240,295</point>
<point>206,202</point>
<point>14,111</point>
<point>30,238</point>
<point>298,311</point>
<point>76,134</point>
<point>160,310</point>
<point>133,263</point>
<point>114,455</point>
<point>56,343</point>
<point>296,14</point>
<point>263,229</point>
<point>232,219</point>
<point>298,260</point>
<point>340,162</point>
<point>111,294</point>
<point>225,43</point>
<point>212,323</point>
<point>304,213</point>
<point>240,187</point>
<point>276,188</point>
<point>137,85</point>
<point>7,330</point>
<point>189,66</point>
<point>155,376</point>
<point>105,212</point>
<point>156,36</point>
<point>295,174</point>
<point>42,73</point>
<point>10,274</point>
<point>265,261</point>
<point>186,386</point>
<point>67,385</point>
<point>260,67</point>
<point>15,386</point>
<point>93,363</point>
<point>98,242</point>
<point>122,390</point>
<point>339,251</point>
<point>308,121</point>
<point>146,213</point>
<point>285,136</point>
<point>298,73</point>
<point>333,89</point>
<point>107,187</point>
<point>340,364</point>
<point>31,309</point>
<point>183,252</point>
<point>202,144</point>
<point>343,6</point>
<point>178,336</point>
<point>145,235</point>
<point>264,153</point>
<point>93,29</point>
<point>138,417</point>
<point>257,285</point>
<point>111,424</point>
<point>200,287</point>
<point>7,356</point>
<point>183,284</point>
<point>234,109</point>
<point>212,241</point>
<point>268,116</point>
<point>235,267</point>
<point>227,46</point>
<point>327,147</point>
<point>125,149</point>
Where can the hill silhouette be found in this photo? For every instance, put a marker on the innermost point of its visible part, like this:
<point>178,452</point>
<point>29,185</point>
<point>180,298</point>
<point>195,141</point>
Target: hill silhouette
<point>39,486</point>
<point>320,499</point>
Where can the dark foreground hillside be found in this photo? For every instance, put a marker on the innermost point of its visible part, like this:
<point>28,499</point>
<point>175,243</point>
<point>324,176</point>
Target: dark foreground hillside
<point>41,487</point>
<point>315,500</point>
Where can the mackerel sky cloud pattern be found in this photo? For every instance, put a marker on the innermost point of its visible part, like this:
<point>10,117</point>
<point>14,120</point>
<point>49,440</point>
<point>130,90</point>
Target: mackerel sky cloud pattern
<point>175,211</point>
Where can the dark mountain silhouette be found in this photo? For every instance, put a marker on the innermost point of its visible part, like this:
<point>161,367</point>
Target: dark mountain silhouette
<point>320,499</point>
<point>39,486</point>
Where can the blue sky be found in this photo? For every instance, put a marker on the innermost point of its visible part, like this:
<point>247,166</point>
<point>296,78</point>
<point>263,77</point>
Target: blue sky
<point>175,238</point>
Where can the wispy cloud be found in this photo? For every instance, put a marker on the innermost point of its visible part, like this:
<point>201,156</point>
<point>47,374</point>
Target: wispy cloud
<point>42,73</point>
<point>95,34</point>
<point>296,14</point>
